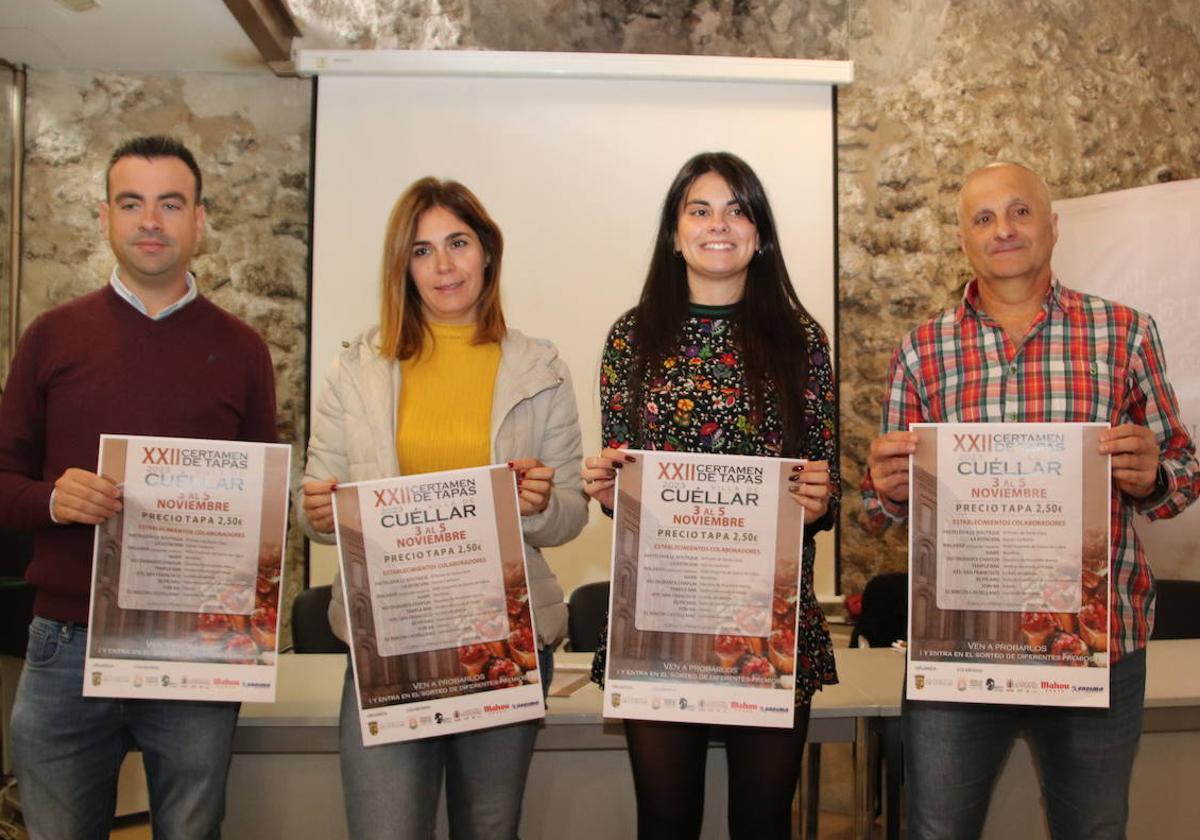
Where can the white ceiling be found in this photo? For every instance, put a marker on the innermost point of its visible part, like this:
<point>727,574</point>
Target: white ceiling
<point>133,35</point>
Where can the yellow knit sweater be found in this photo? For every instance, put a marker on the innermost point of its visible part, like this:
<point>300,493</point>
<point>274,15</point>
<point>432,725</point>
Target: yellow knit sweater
<point>444,414</point>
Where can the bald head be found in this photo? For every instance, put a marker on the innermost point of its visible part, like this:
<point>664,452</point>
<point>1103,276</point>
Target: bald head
<point>1016,171</point>
<point>1006,226</point>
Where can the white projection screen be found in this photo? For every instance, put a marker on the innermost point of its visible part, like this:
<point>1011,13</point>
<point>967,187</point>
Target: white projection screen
<point>573,164</point>
<point>1140,247</point>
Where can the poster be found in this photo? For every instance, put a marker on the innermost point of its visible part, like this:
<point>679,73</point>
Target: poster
<point>1009,564</point>
<point>186,578</point>
<point>705,578</point>
<point>437,601</point>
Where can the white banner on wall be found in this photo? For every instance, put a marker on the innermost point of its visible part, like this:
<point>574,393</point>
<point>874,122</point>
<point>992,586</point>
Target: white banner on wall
<point>572,155</point>
<point>1141,247</point>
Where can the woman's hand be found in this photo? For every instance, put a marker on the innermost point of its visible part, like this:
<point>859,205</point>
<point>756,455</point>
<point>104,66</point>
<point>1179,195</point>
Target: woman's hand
<point>535,481</point>
<point>810,488</point>
<point>600,474</point>
<point>318,504</point>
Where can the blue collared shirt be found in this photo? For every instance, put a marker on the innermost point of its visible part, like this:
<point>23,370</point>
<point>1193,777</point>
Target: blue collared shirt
<point>136,302</point>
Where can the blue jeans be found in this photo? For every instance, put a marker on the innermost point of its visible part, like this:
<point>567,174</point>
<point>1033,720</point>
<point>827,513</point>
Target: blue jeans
<point>953,753</point>
<point>392,790</point>
<point>68,748</point>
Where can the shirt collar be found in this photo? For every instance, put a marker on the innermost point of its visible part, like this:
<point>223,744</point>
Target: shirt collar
<point>1057,297</point>
<point>699,310</point>
<point>134,301</point>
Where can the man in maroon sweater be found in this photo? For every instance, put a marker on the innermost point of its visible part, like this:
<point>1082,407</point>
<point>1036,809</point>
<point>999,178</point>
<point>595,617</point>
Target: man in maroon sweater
<point>144,355</point>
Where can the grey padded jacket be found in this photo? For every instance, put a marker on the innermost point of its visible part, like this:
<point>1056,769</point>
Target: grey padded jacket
<point>533,416</point>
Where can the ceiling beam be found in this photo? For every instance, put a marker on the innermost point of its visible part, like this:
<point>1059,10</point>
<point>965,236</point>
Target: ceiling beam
<point>271,28</point>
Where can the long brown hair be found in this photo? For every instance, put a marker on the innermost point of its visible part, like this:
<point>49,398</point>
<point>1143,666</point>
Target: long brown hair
<point>769,321</point>
<point>402,324</point>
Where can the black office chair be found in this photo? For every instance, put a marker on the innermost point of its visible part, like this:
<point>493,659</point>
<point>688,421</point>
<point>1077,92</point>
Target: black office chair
<point>16,596</point>
<point>1176,609</point>
<point>16,611</point>
<point>884,616</point>
<point>586,611</point>
<point>311,632</point>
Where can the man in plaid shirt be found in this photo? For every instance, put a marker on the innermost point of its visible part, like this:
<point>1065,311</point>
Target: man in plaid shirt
<point>1021,347</point>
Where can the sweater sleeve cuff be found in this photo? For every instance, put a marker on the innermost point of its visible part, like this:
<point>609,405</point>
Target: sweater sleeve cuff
<point>30,505</point>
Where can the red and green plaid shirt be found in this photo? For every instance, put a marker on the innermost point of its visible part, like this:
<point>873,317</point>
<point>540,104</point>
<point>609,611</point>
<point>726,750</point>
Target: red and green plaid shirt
<point>1085,359</point>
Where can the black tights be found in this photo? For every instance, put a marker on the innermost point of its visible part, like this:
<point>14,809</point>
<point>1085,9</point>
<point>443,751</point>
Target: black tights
<point>668,775</point>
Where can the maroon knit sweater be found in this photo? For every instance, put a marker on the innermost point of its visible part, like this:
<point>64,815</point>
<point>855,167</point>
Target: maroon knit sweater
<point>97,365</point>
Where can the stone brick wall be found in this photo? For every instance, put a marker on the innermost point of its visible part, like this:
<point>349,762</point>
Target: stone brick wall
<point>250,135</point>
<point>1098,96</point>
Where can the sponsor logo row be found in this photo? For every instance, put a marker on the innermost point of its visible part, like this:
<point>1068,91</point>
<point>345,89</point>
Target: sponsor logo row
<point>963,683</point>
<point>656,701</point>
<point>418,721</point>
<point>149,681</point>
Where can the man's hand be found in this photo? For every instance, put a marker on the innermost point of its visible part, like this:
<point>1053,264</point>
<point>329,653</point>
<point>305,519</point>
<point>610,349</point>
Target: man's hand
<point>1135,455</point>
<point>84,497</point>
<point>888,462</point>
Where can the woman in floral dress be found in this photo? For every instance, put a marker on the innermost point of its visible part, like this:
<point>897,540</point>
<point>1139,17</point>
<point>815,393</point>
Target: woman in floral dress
<point>720,356</point>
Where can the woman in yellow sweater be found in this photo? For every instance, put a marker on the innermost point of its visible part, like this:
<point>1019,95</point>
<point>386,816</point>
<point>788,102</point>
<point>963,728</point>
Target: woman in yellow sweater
<point>442,384</point>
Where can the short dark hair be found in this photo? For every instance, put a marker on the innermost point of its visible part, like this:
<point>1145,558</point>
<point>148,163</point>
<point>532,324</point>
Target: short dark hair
<point>150,147</point>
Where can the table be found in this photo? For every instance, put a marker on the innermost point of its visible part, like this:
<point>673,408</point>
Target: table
<point>309,694</point>
<point>1161,795</point>
<point>304,723</point>
<point>580,771</point>
<point>1172,686</point>
<point>877,676</point>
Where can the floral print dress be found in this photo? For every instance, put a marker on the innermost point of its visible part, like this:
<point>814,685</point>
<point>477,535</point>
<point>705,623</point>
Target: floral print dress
<point>697,401</point>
